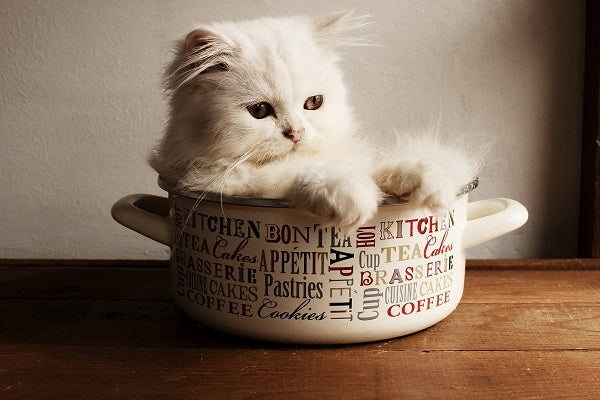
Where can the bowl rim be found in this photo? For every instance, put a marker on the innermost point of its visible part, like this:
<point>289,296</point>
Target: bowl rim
<point>269,202</point>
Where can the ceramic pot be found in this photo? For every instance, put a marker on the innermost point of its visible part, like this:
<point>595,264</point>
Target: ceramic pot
<point>261,269</point>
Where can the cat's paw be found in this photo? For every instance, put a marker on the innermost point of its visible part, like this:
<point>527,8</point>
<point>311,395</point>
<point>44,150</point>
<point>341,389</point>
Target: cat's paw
<point>344,198</point>
<point>424,184</point>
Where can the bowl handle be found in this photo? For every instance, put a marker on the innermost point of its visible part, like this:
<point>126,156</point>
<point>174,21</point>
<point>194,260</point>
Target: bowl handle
<point>488,219</point>
<point>146,214</point>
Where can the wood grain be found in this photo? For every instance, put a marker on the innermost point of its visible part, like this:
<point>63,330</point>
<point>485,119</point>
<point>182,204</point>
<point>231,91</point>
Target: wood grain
<point>113,332</point>
<point>559,264</point>
<point>531,286</point>
<point>504,285</point>
<point>79,282</point>
<point>472,327</point>
<point>350,373</point>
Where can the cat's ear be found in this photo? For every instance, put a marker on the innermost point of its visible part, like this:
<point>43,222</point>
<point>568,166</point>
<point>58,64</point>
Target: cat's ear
<point>200,40</point>
<point>341,29</point>
<point>207,51</point>
<point>201,52</point>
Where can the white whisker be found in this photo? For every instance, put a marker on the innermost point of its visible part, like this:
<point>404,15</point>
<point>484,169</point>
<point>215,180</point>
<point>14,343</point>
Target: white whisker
<point>220,180</point>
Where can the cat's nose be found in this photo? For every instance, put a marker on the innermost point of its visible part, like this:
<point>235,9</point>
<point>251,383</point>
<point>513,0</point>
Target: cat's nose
<point>293,134</point>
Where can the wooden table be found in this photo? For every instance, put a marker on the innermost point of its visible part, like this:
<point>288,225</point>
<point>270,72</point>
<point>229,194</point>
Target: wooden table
<point>524,329</point>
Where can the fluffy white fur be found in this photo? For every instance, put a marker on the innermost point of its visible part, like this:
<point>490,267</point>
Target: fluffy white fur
<point>213,143</point>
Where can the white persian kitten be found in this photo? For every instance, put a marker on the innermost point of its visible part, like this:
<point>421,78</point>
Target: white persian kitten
<point>259,108</point>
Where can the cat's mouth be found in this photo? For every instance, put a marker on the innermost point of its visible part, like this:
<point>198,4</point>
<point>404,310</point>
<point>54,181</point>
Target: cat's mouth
<point>268,157</point>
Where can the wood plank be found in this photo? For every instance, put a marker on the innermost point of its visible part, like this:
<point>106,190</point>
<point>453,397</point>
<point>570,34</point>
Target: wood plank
<point>534,264</point>
<point>472,327</point>
<point>515,286</point>
<point>92,332</point>
<point>497,286</point>
<point>349,372</point>
<point>85,283</point>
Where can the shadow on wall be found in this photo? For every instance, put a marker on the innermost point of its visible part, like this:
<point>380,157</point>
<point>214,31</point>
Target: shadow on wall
<point>548,66</point>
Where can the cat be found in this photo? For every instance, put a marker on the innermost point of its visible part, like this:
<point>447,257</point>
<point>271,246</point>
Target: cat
<point>259,108</point>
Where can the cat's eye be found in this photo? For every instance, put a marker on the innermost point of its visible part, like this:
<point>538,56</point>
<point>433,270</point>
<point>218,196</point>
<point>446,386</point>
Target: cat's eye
<point>260,110</point>
<point>313,102</point>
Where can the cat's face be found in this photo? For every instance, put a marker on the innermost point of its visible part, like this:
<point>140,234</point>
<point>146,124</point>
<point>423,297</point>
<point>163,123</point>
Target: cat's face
<point>261,90</point>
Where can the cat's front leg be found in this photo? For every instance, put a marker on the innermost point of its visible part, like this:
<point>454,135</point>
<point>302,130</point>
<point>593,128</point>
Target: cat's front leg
<point>423,183</point>
<point>342,195</point>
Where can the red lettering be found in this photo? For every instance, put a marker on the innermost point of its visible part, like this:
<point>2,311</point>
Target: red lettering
<point>365,278</point>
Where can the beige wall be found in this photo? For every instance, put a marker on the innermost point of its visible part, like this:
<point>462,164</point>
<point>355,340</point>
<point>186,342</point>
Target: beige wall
<point>81,106</point>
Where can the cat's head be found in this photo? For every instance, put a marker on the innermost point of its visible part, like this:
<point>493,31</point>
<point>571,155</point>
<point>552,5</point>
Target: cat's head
<point>261,89</point>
